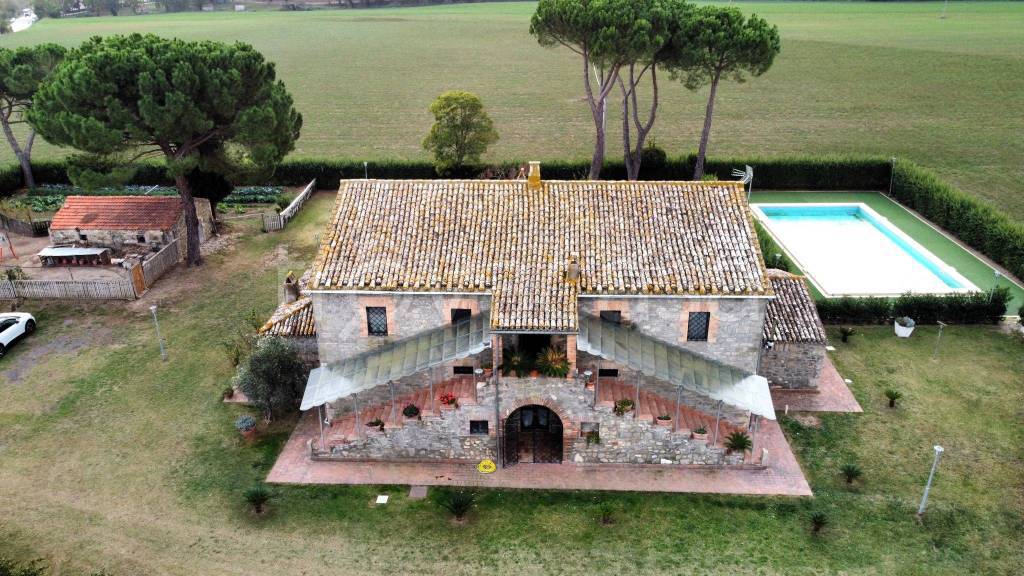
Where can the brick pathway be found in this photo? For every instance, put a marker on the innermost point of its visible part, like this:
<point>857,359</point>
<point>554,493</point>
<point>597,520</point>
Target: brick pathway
<point>782,476</point>
<point>833,395</point>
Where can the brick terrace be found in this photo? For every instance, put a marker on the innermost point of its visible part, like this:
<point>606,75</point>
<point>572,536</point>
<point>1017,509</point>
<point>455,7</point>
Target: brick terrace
<point>833,395</point>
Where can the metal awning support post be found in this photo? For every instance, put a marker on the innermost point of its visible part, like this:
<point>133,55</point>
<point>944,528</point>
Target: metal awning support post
<point>718,418</point>
<point>320,417</point>
<point>433,408</point>
<point>499,430</point>
<point>675,421</point>
<point>597,390</point>
<point>359,420</point>
<point>636,407</point>
<point>391,388</point>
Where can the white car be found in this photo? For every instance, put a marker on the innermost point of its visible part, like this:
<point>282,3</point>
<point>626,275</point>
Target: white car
<point>13,326</point>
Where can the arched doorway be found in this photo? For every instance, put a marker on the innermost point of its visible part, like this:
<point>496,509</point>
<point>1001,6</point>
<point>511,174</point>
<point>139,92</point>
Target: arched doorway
<point>533,434</point>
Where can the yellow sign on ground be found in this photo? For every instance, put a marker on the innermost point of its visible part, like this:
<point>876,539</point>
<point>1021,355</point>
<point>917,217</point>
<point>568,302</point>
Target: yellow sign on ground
<point>486,466</point>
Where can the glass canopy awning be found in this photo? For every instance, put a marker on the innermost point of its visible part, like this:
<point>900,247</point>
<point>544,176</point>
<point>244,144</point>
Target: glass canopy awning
<point>675,365</point>
<point>396,360</point>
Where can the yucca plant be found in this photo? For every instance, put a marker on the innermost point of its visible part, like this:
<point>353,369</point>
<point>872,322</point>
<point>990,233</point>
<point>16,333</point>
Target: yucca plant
<point>851,472</point>
<point>845,332</point>
<point>893,396</point>
<point>818,522</point>
<point>257,497</point>
<point>512,363</point>
<point>552,362</point>
<point>739,441</point>
<point>457,502</point>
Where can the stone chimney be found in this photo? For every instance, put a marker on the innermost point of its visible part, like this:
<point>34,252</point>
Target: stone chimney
<point>533,179</point>
<point>291,289</point>
<point>572,273</point>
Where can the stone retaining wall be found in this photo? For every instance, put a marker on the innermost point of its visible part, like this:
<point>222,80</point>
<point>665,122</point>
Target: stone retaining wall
<point>793,364</point>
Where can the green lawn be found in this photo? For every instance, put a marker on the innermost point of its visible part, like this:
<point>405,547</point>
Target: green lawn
<point>110,458</point>
<point>975,270</point>
<point>858,78</point>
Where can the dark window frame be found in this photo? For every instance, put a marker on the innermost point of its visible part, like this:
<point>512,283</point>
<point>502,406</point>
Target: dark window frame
<point>140,238</point>
<point>460,315</point>
<point>613,316</point>
<point>479,427</point>
<point>607,372</point>
<point>697,332</point>
<point>462,370</point>
<point>373,327</point>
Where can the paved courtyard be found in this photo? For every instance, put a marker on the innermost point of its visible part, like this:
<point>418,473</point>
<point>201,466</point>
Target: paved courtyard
<point>833,395</point>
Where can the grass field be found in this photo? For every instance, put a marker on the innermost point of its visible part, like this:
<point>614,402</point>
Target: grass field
<point>110,458</point>
<point>859,78</point>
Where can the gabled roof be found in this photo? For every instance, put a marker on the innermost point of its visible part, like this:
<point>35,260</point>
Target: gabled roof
<point>117,213</point>
<point>294,319</point>
<point>792,315</point>
<point>504,238</point>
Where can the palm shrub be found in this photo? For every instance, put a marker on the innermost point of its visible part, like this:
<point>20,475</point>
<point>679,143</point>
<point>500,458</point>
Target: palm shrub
<point>739,441</point>
<point>893,396</point>
<point>456,502</point>
<point>552,362</point>
<point>622,406</point>
<point>257,497</point>
<point>845,332</point>
<point>512,363</point>
<point>818,521</point>
<point>606,512</point>
<point>851,472</point>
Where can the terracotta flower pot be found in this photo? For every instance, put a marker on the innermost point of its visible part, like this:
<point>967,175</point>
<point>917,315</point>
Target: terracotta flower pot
<point>663,423</point>
<point>249,434</point>
<point>703,436</point>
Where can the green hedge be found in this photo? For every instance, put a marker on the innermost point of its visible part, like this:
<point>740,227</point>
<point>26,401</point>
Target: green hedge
<point>972,308</point>
<point>979,225</point>
<point>826,173</point>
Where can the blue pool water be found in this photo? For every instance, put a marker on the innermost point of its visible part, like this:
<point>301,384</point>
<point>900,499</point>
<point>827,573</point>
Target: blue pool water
<point>850,249</point>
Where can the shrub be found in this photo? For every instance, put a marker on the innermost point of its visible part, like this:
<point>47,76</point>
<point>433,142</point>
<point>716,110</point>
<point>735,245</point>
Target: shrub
<point>607,512</point>
<point>851,472</point>
<point>622,406</point>
<point>700,430</point>
<point>845,332</point>
<point>9,567</point>
<point>461,133</point>
<point>774,256</point>
<point>739,441</point>
<point>245,423</point>
<point>274,377</point>
<point>552,362</point>
<point>457,502</point>
<point>411,411</point>
<point>969,308</point>
<point>258,496</point>
<point>986,229</point>
<point>376,423</point>
<point>512,363</point>
<point>893,396</point>
<point>818,521</point>
<point>665,417</point>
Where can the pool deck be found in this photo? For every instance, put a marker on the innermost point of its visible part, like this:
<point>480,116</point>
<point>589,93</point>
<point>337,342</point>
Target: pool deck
<point>972,265</point>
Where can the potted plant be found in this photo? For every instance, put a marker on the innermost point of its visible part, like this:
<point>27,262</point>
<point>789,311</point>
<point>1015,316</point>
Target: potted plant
<point>411,412</point>
<point>664,420</point>
<point>701,433</point>
<point>623,406</point>
<point>376,423</point>
<point>228,393</point>
<point>553,363</point>
<point>738,441</point>
<point>448,401</point>
<point>488,366</point>
<point>904,326</point>
<point>512,363</point>
<point>845,332</point>
<point>246,426</point>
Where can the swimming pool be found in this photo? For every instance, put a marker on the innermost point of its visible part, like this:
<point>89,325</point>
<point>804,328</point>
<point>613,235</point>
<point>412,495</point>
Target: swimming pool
<point>849,249</point>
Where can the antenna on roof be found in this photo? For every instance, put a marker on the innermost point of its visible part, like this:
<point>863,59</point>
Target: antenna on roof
<point>747,177</point>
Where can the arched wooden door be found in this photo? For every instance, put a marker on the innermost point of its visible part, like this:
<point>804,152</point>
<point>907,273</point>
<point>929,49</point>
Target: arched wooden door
<point>533,434</point>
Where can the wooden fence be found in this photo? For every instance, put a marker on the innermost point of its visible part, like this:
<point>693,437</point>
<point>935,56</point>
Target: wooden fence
<point>273,222</point>
<point>23,227</point>
<point>67,289</point>
<point>161,262</point>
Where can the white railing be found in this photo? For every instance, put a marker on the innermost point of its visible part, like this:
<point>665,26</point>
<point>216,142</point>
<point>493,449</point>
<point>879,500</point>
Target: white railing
<point>67,289</point>
<point>273,222</point>
<point>161,262</point>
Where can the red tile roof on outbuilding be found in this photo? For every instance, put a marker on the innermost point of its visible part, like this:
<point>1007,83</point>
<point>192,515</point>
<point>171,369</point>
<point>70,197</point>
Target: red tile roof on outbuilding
<point>117,213</point>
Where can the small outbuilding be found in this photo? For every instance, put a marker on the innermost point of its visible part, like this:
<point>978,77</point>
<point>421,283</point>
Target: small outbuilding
<point>74,256</point>
<point>793,336</point>
<point>125,222</point>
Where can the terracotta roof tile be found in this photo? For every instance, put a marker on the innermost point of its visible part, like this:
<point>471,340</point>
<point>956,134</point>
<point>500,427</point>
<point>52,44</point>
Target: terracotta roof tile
<point>792,315</point>
<point>294,319</point>
<point>117,213</point>
<point>500,237</point>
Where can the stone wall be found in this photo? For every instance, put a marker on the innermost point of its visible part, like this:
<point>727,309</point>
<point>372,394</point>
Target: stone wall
<point>793,364</point>
<point>341,318</point>
<point>624,439</point>
<point>734,336</point>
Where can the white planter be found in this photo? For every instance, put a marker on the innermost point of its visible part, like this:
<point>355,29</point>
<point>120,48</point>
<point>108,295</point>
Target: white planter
<point>903,331</point>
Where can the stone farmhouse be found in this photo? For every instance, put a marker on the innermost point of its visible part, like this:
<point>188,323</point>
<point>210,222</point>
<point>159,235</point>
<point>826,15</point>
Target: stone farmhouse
<point>127,223</point>
<point>532,321</point>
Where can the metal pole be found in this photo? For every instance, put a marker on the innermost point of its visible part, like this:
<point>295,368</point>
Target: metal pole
<point>892,172</point>
<point>320,417</point>
<point>675,422</point>
<point>928,487</point>
<point>359,419</point>
<point>718,417</point>
<point>636,408</point>
<point>597,389</point>
<point>366,171</point>
<point>163,351</point>
<point>391,388</point>
<point>938,339</point>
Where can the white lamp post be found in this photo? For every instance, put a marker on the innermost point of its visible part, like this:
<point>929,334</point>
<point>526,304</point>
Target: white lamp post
<point>163,351</point>
<point>931,476</point>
